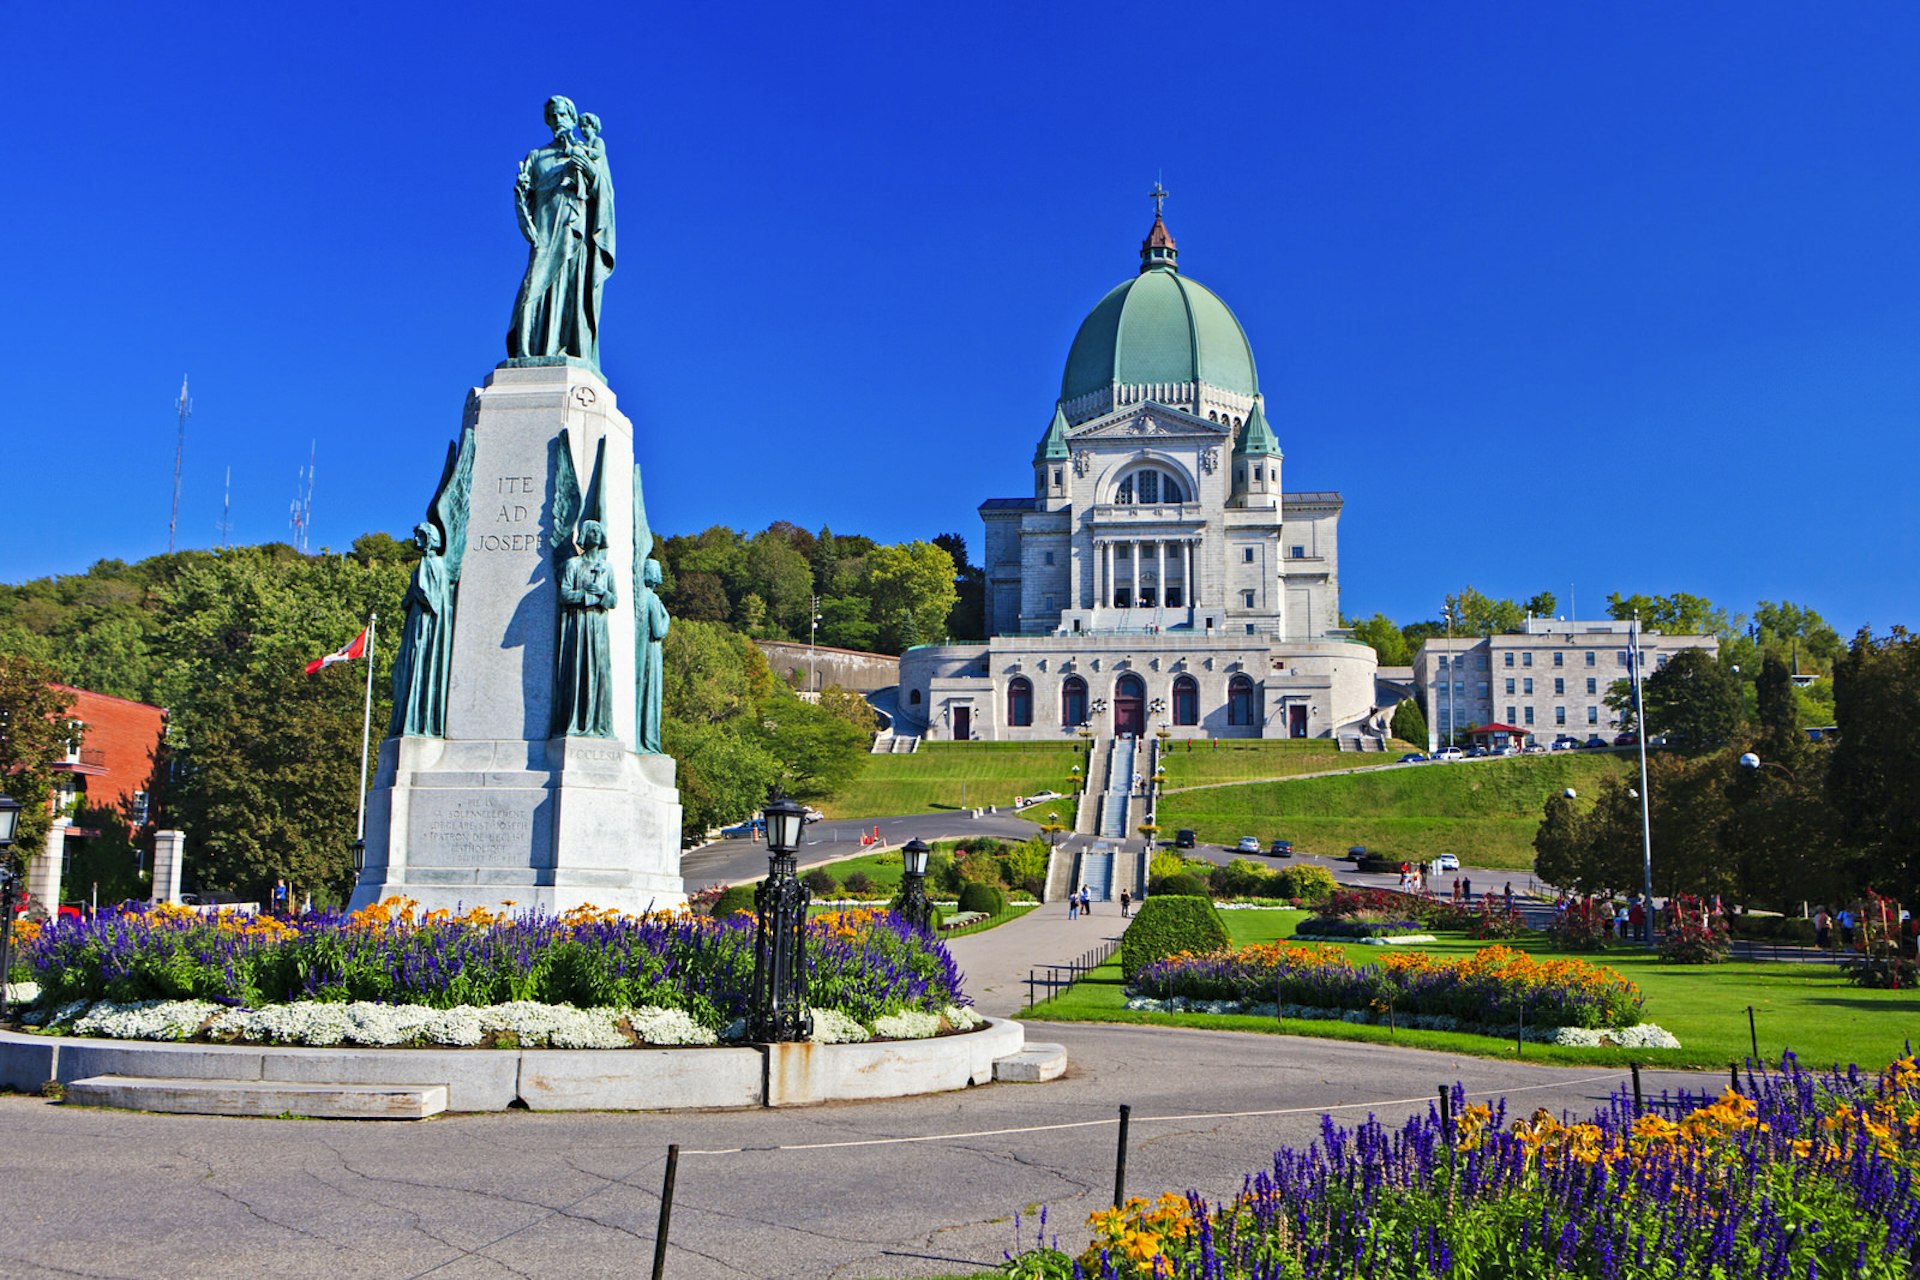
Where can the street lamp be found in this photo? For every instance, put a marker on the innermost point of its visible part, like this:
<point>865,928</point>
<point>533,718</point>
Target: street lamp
<point>359,858</point>
<point>780,934</point>
<point>1748,760</point>
<point>9,892</point>
<point>1640,737</point>
<point>1076,779</point>
<point>914,908</point>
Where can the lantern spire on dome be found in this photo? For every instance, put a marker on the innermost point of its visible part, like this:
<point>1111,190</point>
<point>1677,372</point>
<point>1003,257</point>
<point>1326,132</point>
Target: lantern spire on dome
<point>1158,249</point>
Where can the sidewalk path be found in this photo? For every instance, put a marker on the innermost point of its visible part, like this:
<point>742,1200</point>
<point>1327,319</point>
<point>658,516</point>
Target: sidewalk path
<point>995,963</point>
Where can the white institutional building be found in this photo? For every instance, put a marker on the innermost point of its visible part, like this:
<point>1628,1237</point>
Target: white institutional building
<point>1160,576</point>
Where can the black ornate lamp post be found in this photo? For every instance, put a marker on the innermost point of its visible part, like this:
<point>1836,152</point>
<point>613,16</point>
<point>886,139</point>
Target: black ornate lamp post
<point>359,858</point>
<point>780,934</point>
<point>915,909</point>
<point>9,892</point>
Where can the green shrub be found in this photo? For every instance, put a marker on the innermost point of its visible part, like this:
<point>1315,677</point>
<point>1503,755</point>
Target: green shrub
<point>821,881</point>
<point>1168,925</point>
<point>860,882</point>
<point>1165,863</point>
<point>1312,885</point>
<point>1240,878</point>
<point>943,873</point>
<point>738,897</point>
<point>1181,885</point>
<point>984,898</point>
<point>1791,929</point>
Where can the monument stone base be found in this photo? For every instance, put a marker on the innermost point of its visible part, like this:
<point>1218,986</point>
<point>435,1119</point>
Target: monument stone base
<point>549,825</point>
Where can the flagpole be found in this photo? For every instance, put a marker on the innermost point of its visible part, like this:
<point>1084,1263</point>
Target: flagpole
<point>366,733</point>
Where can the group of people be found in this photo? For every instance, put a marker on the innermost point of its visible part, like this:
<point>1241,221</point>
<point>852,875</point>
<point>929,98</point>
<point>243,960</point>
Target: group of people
<point>1080,903</point>
<point>1627,921</point>
<point>1851,923</point>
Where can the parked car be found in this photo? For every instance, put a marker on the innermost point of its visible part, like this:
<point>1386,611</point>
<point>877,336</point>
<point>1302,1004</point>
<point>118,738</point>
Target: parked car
<point>1449,754</point>
<point>1041,797</point>
<point>1248,844</point>
<point>1413,757</point>
<point>1281,849</point>
<point>1566,742</point>
<point>741,830</point>
<point>1477,753</point>
<point>1596,741</point>
<point>1183,838</point>
<point>1627,739</point>
<point>1357,852</point>
<point>814,815</point>
<point>1446,862</point>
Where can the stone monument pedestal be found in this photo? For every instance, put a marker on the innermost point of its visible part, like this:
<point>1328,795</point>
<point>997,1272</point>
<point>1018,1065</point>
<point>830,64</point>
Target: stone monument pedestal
<point>498,809</point>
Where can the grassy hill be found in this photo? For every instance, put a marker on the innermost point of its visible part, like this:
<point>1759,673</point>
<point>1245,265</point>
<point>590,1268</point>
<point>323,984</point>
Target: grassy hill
<point>1484,811</point>
<point>1197,764</point>
<point>955,775</point>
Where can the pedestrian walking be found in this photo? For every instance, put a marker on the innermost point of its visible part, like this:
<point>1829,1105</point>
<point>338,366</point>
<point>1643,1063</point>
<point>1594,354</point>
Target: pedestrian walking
<point>1126,901</point>
<point>1466,889</point>
<point>1073,906</point>
<point>1509,895</point>
<point>1086,901</point>
<point>280,897</point>
<point>1846,926</point>
<point>1822,928</point>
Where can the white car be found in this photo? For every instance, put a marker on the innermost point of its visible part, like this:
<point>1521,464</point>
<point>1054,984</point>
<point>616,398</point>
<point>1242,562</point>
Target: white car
<point>814,815</point>
<point>1449,754</point>
<point>1041,797</point>
<point>1446,862</point>
<point>1248,844</point>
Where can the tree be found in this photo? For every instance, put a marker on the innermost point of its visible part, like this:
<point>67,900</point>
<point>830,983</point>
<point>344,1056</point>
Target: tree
<point>1408,724</point>
<point>699,597</point>
<point>1693,700</point>
<point>1383,634</point>
<point>850,706</point>
<point>1794,632</point>
<point>1559,846</point>
<point>1475,614</point>
<point>33,734</point>
<point>781,577</point>
<point>1874,778</point>
<point>1778,709</point>
<point>968,621</point>
<point>913,593</point>
<point>1542,604</point>
<point>1679,614</point>
<point>818,751</point>
<point>845,622</point>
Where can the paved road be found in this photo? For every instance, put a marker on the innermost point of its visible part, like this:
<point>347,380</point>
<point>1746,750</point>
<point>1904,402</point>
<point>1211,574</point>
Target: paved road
<point>914,1187</point>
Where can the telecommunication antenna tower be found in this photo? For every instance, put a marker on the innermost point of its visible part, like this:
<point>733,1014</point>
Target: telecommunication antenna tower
<point>184,408</point>
<point>226,512</point>
<point>301,515</point>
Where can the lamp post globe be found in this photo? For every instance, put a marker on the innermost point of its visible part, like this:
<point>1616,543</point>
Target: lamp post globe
<point>780,933</point>
<point>9,820</point>
<point>359,858</point>
<point>915,908</point>
<point>1748,760</point>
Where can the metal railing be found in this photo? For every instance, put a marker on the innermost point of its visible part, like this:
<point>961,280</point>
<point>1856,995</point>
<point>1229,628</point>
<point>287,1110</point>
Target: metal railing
<point>1059,977</point>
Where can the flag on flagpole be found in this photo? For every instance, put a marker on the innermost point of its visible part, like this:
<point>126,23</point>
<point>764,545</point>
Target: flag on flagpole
<point>356,648</point>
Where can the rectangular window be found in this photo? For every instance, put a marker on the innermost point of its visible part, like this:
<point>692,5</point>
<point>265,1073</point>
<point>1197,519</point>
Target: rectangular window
<point>1593,686</point>
<point>1298,553</point>
<point>1558,658</point>
<point>1246,555</point>
<point>1509,659</point>
<point>1443,662</point>
<point>1057,474</point>
<point>1593,715</point>
<point>1481,662</point>
<point>1529,713</point>
<point>1049,558</point>
<point>1459,688</point>
<point>1256,473</point>
<point>1559,686</point>
<point>1620,658</point>
<point>1246,599</point>
<point>139,808</point>
<point>1526,659</point>
<point>1661,661</point>
<point>1559,715</point>
<point>1174,600</point>
<point>1527,686</point>
<point>1048,606</point>
<point>1509,686</point>
<point>1482,689</point>
<point>1510,714</point>
<point>1590,657</point>
<point>1249,628</point>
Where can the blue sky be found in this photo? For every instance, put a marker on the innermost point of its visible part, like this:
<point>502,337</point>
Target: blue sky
<point>1574,298</point>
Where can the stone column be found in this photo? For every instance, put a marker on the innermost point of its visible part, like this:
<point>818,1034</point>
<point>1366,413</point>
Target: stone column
<point>169,854</point>
<point>1106,584</point>
<point>1160,572</point>
<point>43,873</point>
<point>1186,570</point>
<point>1134,549</point>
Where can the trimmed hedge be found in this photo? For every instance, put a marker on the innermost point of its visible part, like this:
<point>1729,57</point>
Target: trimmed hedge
<point>738,897</point>
<point>1177,886</point>
<point>1324,927</point>
<point>1166,926</point>
<point>984,898</point>
<point>1790,929</point>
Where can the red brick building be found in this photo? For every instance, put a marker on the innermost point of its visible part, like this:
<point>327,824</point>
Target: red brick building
<point>113,761</point>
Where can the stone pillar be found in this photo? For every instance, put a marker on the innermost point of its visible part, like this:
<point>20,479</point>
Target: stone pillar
<point>169,854</point>
<point>1106,579</point>
<point>43,873</point>
<point>1160,573</point>
<point>1186,572</point>
<point>1133,549</point>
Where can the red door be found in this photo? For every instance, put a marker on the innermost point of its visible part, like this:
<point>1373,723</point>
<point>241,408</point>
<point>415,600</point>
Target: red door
<point>962,724</point>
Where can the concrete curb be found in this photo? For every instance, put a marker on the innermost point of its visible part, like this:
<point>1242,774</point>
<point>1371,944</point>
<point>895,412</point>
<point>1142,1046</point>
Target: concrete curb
<point>547,1079</point>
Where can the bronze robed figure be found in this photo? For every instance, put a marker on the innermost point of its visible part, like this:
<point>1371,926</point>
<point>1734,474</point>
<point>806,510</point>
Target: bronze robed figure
<point>563,196</point>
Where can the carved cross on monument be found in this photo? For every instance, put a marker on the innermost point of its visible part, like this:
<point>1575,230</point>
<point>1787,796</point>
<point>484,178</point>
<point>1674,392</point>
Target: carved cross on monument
<point>1159,195</point>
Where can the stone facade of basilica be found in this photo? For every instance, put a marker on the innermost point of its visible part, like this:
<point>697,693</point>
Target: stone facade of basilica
<point>1160,576</point>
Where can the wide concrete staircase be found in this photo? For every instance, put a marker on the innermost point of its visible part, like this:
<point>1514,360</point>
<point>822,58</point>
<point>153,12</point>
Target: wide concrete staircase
<point>1119,789</point>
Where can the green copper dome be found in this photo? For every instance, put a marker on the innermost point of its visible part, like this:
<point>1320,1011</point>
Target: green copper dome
<point>1159,327</point>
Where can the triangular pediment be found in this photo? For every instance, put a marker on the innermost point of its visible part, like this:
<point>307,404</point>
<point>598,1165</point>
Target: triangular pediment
<point>1150,421</point>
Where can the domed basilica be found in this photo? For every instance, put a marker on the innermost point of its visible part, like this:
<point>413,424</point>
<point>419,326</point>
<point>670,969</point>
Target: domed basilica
<point>1159,577</point>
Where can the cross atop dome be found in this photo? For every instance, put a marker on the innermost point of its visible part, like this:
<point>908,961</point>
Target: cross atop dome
<point>1158,249</point>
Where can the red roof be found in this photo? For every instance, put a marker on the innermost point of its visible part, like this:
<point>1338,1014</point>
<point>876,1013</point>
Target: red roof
<point>1497,728</point>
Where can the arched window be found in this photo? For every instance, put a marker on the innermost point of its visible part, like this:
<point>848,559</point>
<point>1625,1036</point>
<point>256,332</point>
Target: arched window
<point>1020,702</point>
<point>1148,486</point>
<point>1073,702</point>
<point>1186,700</point>
<point>1241,710</point>
<point>913,699</point>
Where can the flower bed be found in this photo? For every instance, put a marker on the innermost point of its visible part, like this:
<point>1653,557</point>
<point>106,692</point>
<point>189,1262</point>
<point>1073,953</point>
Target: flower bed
<point>1803,1175</point>
<point>1321,927</point>
<point>1488,989</point>
<point>1435,913</point>
<point>661,979</point>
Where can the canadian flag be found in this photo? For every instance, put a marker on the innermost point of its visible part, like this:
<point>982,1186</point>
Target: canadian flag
<point>356,648</point>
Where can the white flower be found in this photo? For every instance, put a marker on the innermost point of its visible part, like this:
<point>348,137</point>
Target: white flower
<point>908,1024</point>
<point>146,1019</point>
<point>22,993</point>
<point>830,1026</point>
<point>668,1027</point>
<point>558,1026</point>
<point>962,1017</point>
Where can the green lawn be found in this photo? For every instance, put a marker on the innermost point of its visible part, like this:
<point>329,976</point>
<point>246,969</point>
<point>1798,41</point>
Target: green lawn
<point>1485,812</point>
<point>1807,1008</point>
<point>1193,764</point>
<point>958,775</point>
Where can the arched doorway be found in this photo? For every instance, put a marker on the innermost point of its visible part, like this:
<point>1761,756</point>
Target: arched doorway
<point>1020,702</point>
<point>1130,705</point>
<point>1073,702</point>
<point>1186,700</point>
